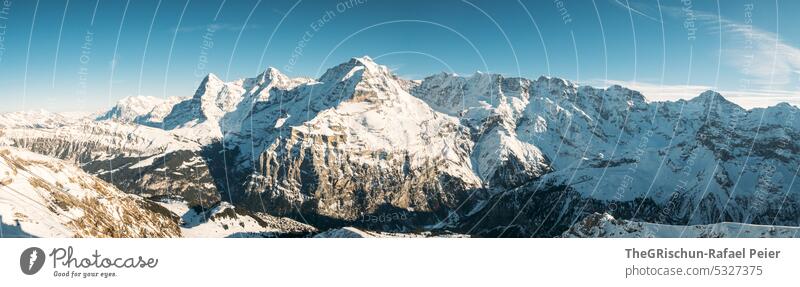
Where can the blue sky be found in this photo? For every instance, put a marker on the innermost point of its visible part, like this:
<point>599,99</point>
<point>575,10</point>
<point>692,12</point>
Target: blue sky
<point>668,49</point>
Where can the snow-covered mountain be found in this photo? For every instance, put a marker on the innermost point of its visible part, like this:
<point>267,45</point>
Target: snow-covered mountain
<point>44,197</point>
<point>484,155</point>
<point>33,119</point>
<point>143,110</point>
<point>219,107</point>
<point>350,143</point>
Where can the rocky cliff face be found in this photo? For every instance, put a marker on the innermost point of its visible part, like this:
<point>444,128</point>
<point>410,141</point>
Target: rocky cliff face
<point>356,143</point>
<point>483,155</point>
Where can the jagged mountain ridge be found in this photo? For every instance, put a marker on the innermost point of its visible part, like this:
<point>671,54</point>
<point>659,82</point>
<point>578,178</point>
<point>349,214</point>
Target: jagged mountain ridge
<point>143,110</point>
<point>485,154</point>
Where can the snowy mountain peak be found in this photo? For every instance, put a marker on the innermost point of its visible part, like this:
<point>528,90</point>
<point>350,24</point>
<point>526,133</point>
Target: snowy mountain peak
<point>708,96</point>
<point>273,77</point>
<point>364,60</point>
<point>623,93</point>
<point>212,77</point>
<point>556,82</point>
<point>146,110</point>
<point>210,82</point>
<point>355,68</point>
<point>488,79</point>
<point>785,105</point>
<point>711,100</point>
<point>271,74</point>
<point>444,79</point>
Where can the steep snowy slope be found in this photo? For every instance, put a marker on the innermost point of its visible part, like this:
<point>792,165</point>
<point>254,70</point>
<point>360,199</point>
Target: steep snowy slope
<point>490,106</point>
<point>44,197</point>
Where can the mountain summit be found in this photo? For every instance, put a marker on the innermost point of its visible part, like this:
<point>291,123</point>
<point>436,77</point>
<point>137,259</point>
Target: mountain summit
<point>484,155</point>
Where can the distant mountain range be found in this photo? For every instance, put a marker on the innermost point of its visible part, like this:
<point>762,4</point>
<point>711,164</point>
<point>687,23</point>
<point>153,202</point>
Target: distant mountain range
<point>360,152</point>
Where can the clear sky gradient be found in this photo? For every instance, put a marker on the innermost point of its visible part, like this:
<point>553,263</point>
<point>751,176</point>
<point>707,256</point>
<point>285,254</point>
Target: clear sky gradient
<point>81,55</point>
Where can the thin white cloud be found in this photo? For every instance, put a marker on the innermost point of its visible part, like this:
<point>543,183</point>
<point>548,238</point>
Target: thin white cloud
<point>768,68</point>
<point>761,55</point>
